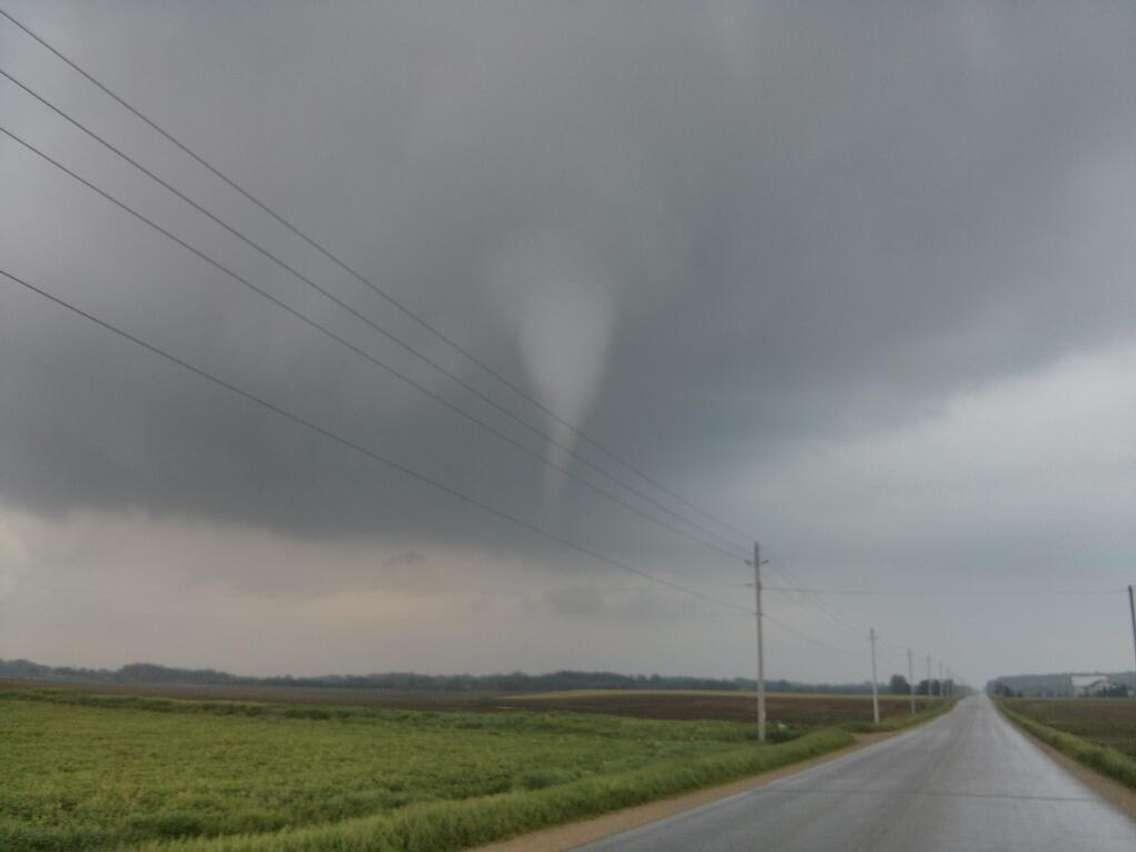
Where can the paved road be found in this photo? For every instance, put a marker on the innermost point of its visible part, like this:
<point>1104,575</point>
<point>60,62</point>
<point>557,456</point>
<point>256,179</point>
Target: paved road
<point>968,781</point>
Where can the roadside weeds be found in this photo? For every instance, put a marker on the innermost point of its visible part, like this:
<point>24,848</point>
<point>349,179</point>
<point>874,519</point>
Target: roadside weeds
<point>432,827</point>
<point>570,835</point>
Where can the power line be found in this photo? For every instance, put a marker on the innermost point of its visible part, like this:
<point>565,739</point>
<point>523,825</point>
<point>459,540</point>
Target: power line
<point>804,592</point>
<point>364,354</point>
<point>805,636</point>
<point>408,312</point>
<point>814,601</point>
<point>787,577</point>
<point>370,323</point>
<point>942,593</point>
<point>835,618</point>
<point>365,451</point>
<point>812,596</point>
<point>396,303</point>
<point>811,599</point>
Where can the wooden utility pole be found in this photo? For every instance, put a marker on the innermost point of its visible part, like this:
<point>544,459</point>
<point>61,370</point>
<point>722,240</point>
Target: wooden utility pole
<point>1132,612</point>
<point>760,643</point>
<point>875,686</point>
<point>911,679</point>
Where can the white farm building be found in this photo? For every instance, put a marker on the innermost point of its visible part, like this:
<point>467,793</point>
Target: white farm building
<point>1087,685</point>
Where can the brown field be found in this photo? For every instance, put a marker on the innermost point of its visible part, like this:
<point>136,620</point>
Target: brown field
<point>796,709</point>
<point>345,696</point>
<point>1105,721</point>
<point>801,710</point>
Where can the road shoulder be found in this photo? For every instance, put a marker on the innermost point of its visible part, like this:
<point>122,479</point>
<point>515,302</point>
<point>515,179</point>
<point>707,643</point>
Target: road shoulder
<point>1113,792</point>
<point>575,834</point>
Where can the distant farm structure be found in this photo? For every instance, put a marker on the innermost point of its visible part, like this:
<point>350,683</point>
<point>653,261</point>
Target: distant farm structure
<point>1064,685</point>
<point>1095,686</point>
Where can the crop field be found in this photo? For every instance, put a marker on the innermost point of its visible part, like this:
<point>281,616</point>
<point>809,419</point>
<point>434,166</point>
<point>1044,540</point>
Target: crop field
<point>86,771</point>
<point>796,710</point>
<point>323,695</point>
<point>1109,722</point>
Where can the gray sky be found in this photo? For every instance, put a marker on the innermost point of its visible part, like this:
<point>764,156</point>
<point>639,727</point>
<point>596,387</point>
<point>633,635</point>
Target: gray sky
<point>858,281</point>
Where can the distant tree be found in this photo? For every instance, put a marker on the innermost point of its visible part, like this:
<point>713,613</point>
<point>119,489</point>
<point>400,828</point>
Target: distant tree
<point>899,685</point>
<point>409,681</point>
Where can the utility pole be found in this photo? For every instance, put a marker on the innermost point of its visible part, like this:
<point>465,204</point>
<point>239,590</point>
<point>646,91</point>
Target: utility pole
<point>928,678</point>
<point>1132,612</point>
<point>940,678</point>
<point>875,688</point>
<point>760,643</point>
<point>911,679</point>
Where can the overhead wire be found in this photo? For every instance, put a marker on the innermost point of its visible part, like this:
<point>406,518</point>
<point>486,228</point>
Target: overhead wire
<point>379,329</point>
<point>363,450</point>
<point>788,628</point>
<point>812,600</point>
<point>809,597</point>
<point>945,592</point>
<point>366,281</point>
<point>362,352</point>
<point>800,634</point>
<point>404,309</point>
<point>816,594</point>
<point>812,596</point>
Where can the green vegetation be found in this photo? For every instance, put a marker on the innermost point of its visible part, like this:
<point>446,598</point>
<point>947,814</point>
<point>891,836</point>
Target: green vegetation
<point>899,721</point>
<point>80,771</point>
<point>1100,733</point>
<point>458,825</point>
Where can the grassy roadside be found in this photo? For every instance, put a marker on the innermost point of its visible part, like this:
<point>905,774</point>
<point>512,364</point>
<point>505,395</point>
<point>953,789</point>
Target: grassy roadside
<point>898,723</point>
<point>101,772</point>
<point>119,771</point>
<point>458,825</point>
<point>1104,760</point>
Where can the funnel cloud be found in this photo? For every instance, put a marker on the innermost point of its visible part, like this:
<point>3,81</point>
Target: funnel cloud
<point>859,282</point>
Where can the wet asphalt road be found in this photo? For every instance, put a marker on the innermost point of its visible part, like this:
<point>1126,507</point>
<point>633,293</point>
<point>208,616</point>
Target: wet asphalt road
<point>968,781</point>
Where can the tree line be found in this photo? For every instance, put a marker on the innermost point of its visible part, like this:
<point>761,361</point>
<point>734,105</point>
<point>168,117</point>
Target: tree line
<point>139,673</point>
<point>899,685</point>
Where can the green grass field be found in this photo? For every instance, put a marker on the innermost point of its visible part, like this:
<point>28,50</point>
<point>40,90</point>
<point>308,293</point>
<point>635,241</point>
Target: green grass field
<point>82,771</point>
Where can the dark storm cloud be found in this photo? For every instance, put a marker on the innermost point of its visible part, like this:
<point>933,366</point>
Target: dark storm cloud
<point>772,222</point>
<point>593,603</point>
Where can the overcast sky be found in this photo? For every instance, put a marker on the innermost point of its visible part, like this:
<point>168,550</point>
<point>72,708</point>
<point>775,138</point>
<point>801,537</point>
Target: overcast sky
<point>857,281</point>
